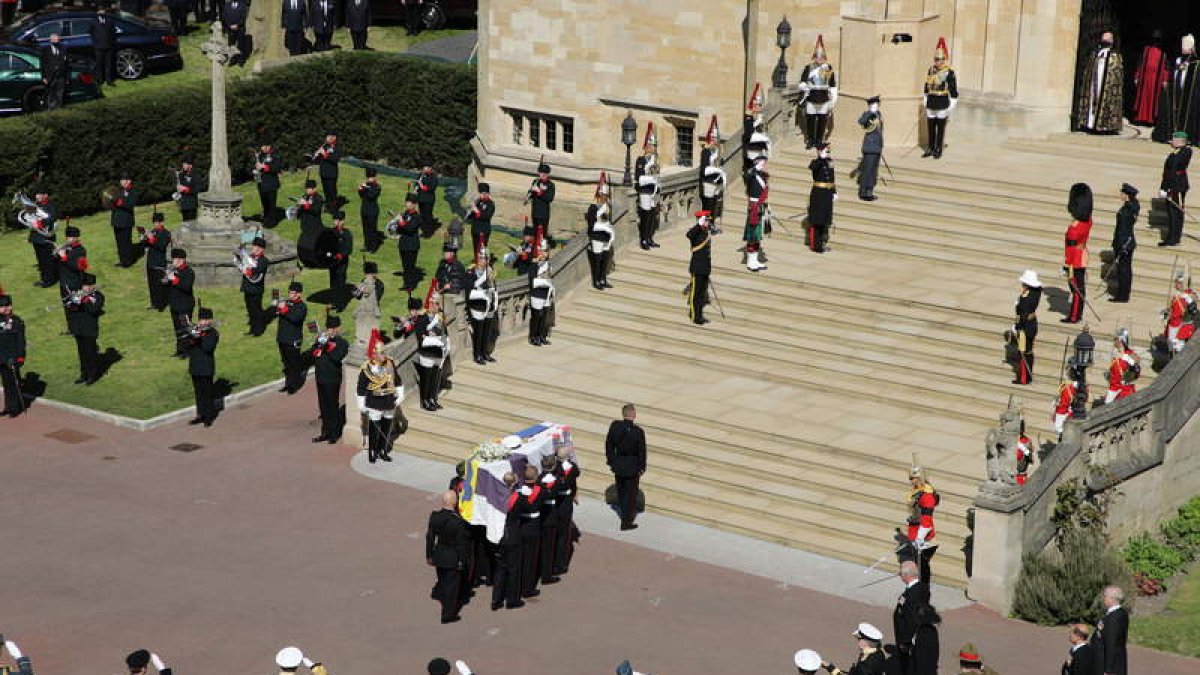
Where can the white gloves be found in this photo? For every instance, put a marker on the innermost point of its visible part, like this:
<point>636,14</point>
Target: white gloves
<point>13,649</point>
<point>525,490</point>
<point>362,403</point>
<point>158,662</point>
<point>308,663</point>
<point>1162,193</point>
<point>463,668</point>
<point>922,532</point>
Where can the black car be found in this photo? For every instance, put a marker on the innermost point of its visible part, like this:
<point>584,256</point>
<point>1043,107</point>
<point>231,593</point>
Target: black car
<point>143,45</point>
<point>21,88</point>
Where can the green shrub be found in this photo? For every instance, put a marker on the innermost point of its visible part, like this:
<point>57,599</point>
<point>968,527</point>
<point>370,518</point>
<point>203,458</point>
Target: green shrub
<point>1183,531</point>
<point>388,107</point>
<point>1154,559</point>
<point>1063,583</point>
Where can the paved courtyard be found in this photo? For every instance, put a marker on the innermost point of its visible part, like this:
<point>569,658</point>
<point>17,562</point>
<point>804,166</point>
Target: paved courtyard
<point>217,557</point>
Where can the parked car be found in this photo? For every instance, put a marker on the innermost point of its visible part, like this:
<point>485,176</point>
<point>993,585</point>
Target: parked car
<point>21,88</point>
<point>434,13</point>
<point>143,45</point>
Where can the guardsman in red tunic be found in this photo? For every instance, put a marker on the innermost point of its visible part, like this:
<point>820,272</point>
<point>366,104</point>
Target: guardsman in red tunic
<point>923,499</point>
<point>1124,369</point>
<point>1181,315</point>
<point>1062,406</point>
<point>1024,455</point>
<point>1075,256</point>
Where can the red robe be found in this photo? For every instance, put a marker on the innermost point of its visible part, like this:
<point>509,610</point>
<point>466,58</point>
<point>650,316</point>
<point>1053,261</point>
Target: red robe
<point>1149,79</point>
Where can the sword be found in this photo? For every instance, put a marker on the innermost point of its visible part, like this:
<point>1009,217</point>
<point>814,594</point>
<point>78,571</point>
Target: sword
<point>886,166</point>
<point>716,299</point>
<point>1071,283</point>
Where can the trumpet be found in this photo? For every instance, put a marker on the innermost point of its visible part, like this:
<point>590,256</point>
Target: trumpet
<point>318,154</point>
<point>168,272</point>
<point>193,331</point>
<point>76,296</point>
<point>176,196</point>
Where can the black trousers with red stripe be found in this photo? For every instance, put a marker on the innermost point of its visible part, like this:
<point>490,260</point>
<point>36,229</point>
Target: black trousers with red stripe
<point>1078,282</point>
<point>1025,363</point>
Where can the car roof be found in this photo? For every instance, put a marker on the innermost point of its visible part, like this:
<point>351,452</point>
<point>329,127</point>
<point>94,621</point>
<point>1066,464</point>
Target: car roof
<point>60,12</point>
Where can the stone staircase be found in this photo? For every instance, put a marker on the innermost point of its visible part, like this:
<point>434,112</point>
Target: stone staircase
<point>795,417</point>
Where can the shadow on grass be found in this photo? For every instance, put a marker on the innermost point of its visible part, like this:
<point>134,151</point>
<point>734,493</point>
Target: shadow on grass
<point>108,359</point>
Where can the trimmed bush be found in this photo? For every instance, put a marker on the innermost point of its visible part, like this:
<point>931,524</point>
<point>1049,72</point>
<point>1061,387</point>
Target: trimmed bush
<point>1183,531</point>
<point>1063,584</point>
<point>400,110</point>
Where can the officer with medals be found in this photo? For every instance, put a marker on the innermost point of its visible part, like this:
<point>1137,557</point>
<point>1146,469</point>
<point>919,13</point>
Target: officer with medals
<point>541,301</point>
<point>480,218</point>
<point>700,267</point>
<point>180,281</point>
<point>157,243</point>
<point>84,309</point>
<point>941,96</point>
<point>200,344</point>
<point>1124,243</point>
<point>254,265</point>
<point>291,313</point>
<point>42,236</point>
<point>818,83</point>
<point>756,213</point>
<point>482,304</point>
<point>379,392</point>
<point>600,235</point>
<point>328,352</point>
<point>12,356</point>
<point>820,199</point>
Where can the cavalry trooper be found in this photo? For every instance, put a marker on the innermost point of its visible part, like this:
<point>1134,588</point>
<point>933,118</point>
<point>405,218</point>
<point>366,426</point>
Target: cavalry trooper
<point>1124,369</point>
<point>379,392</point>
<point>648,190</point>
<point>541,301</point>
<point>1025,326</point>
<point>482,304</point>
<point>941,96</point>
<point>600,235</point>
<point>820,199</point>
<point>157,243</point>
<point>432,351</point>
<point>755,141</point>
<point>757,187</point>
<point>713,178</point>
<point>923,499</point>
<point>700,267</point>
<point>818,84</point>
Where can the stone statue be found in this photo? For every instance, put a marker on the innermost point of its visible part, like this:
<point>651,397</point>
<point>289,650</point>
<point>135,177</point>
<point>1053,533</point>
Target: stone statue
<point>1001,446</point>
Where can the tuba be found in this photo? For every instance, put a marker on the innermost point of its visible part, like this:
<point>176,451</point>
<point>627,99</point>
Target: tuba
<point>245,263</point>
<point>29,213</point>
<point>108,195</point>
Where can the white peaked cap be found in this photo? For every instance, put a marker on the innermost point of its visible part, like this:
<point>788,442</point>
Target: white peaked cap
<point>807,659</point>
<point>1030,278</point>
<point>289,657</point>
<point>866,630</point>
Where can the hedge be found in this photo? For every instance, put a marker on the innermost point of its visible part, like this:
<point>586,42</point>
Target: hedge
<point>400,110</point>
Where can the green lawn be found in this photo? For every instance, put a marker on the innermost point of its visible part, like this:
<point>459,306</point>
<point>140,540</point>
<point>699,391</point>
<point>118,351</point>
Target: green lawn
<point>1177,628</point>
<point>147,381</point>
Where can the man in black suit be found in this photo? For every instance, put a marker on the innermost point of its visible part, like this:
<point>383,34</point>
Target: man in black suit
<point>234,21</point>
<point>625,450</point>
<point>1111,632</point>
<point>358,18</point>
<point>104,41</point>
<point>323,21</point>
<point>906,618</point>
<point>54,72</point>
<point>178,10</point>
<point>201,347</point>
<point>293,22</point>
<point>447,545</point>
<point>1082,659</point>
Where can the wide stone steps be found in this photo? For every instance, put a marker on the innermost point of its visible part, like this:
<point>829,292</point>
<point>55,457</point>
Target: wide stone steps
<point>1136,156</point>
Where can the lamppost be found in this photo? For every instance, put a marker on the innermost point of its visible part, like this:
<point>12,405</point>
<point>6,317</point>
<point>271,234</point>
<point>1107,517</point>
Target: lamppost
<point>783,40</point>
<point>1084,347</point>
<point>628,137</point>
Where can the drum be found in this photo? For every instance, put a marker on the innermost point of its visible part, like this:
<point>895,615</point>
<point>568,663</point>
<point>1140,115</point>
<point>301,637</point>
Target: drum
<point>316,247</point>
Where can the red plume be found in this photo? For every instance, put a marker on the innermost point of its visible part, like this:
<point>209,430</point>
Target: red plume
<point>714,132</point>
<point>941,50</point>
<point>756,102</point>
<point>373,343</point>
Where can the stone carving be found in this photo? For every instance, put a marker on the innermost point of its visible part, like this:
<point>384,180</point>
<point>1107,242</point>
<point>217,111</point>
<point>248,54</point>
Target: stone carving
<point>1001,446</point>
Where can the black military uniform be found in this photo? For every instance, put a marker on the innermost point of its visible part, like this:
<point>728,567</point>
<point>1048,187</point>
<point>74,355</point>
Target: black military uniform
<point>340,262</point>
<point>531,515</point>
<point>268,164</point>
<point>1124,243</point>
<point>1175,187</point>
<point>548,544</point>
<point>83,322</point>
<point>426,190</point>
<point>191,184</point>
<point>906,621</point>
<point>447,546</point>
<point>323,20</point>
<point>409,228</point>
<point>72,264</point>
<point>369,191</point>
<point>625,453</point>
<point>156,242</point>
<point>482,303</point>
<point>233,19</point>
<point>480,218</point>
<point>541,301</point>
<point>121,220</point>
<point>541,196</point>
<point>700,267</point>
<point>309,209</point>
<point>1025,325</point>
<point>291,314</point>
<point>871,120</point>
<point>200,343</point>
<point>1084,659</point>
<point>506,570</point>
<point>254,285</point>
<point>181,298</point>
<point>12,357</point>
<point>329,154</point>
<point>567,474</point>
<point>600,239</point>
<point>293,21</point>
<point>820,201</point>
<point>450,275</point>
<point>358,19</point>
<point>869,662</point>
<point>1112,630</point>
<point>328,353</point>
<point>42,237</point>
<point>178,11</point>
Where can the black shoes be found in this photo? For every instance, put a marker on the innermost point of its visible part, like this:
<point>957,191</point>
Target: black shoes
<point>80,380</point>
<point>196,421</point>
<point>629,526</point>
<point>452,619</point>
<point>320,438</point>
<point>551,580</point>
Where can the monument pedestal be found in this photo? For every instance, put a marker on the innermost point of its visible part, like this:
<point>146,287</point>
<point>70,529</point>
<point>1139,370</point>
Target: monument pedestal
<point>218,231</point>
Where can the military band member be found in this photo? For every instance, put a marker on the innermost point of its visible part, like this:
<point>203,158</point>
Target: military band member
<point>267,165</point>
<point>1124,369</point>
<point>72,262</point>
<point>1025,325</point>
<point>447,548</point>
<point>480,218</point>
<point>525,254</point>
<point>309,208</point>
<point>820,199</point>
<point>426,190</point>
<point>432,350</point>
<point>1075,256</point>
<point>42,236</point>
<point>450,277</point>
<point>254,285</point>
<point>923,499</point>
<point>121,219</point>
<point>872,149</point>
<point>506,580</point>
<point>200,343</point>
<point>531,531</point>
<point>1174,187</point>
<point>541,196</point>
<point>1181,315</point>
<point>818,84</point>
<point>379,392</point>
<point>180,281</point>
<point>323,19</point>
<point>1069,395</point>
<point>870,659</point>
<point>189,183</point>
<point>700,267</point>
<point>371,283</point>
<point>340,259</point>
<point>328,353</point>
<point>157,243</point>
<point>369,191</point>
<point>941,96</point>
<point>756,180</point>
<point>84,309</point>
<point>1124,243</point>
<point>482,304</point>
<point>541,301</point>
<point>291,313</point>
<point>327,156</point>
<point>415,323</point>
<point>408,228</point>
<point>600,235</point>
<point>139,663</point>
<point>12,356</point>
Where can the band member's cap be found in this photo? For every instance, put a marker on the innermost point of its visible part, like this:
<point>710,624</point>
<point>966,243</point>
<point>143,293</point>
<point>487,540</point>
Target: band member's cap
<point>125,174</point>
<point>5,300</point>
<point>260,242</point>
<point>447,248</point>
<point>333,322</point>
<point>1129,189</point>
<point>808,660</point>
<point>289,657</point>
<point>331,132</point>
<point>439,666</point>
<point>296,286</point>
<point>205,313</point>
<point>310,183</point>
<point>370,267</point>
<point>187,159</point>
<point>72,231</point>
<point>869,632</point>
<point>415,303</point>
<point>157,217</point>
<point>969,654</point>
<point>88,279</point>
<point>873,99</point>
<point>339,215</point>
<point>371,173</point>
<point>702,214</point>
<point>410,197</point>
<point>543,168</point>
<point>1180,134</point>
<point>178,253</point>
<point>1030,279</point>
<point>484,187</point>
<point>138,660</point>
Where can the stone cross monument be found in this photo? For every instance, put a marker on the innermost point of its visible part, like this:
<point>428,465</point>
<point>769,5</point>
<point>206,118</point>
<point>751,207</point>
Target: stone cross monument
<point>221,204</point>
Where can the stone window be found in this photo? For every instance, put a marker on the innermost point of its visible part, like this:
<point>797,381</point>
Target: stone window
<point>518,127</point>
<point>535,132</point>
<point>551,134</point>
<point>684,145</point>
<point>542,131</point>
<point>568,136</point>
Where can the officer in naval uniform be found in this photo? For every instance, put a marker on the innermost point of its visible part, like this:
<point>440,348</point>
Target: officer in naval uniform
<point>482,304</point>
<point>870,660</point>
<point>379,392</point>
<point>941,95</point>
<point>1025,326</point>
<point>756,214</point>
<point>139,662</point>
<point>818,85</point>
<point>872,149</point>
<point>648,191</point>
<point>289,660</point>
<point>541,300</point>
<point>600,235</point>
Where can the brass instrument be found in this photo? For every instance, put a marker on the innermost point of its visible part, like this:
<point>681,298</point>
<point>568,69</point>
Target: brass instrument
<point>76,296</point>
<point>317,154</point>
<point>176,196</point>
<point>108,195</point>
<point>168,272</point>
<point>293,212</point>
<point>257,170</point>
<point>392,228</point>
<point>245,263</point>
<point>193,330</point>
<point>30,213</point>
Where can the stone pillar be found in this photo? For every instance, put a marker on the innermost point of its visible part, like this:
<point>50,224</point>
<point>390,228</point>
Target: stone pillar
<point>751,53</point>
<point>268,36</point>
<point>996,555</point>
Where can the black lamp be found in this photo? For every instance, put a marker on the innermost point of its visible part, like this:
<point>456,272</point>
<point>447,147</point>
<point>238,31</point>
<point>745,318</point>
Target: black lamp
<point>628,137</point>
<point>1085,346</point>
<point>783,40</point>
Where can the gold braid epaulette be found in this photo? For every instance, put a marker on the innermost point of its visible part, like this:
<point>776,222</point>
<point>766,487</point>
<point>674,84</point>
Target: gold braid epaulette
<point>384,383</point>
